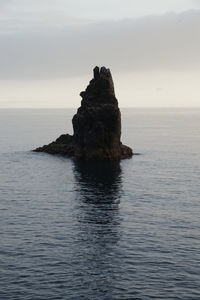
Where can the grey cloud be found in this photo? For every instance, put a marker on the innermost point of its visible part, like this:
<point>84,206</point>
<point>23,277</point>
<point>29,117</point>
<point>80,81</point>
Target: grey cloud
<point>170,41</point>
<point>30,15</point>
<point>196,2</point>
<point>36,16</point>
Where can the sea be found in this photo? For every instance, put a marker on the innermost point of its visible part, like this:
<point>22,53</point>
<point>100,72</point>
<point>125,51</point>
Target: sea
<point>101,231</point>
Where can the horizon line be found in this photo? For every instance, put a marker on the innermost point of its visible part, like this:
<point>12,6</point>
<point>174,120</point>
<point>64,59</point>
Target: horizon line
<point>121,107</point>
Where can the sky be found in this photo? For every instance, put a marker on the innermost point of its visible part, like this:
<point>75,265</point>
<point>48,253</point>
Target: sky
<point>48,49</point>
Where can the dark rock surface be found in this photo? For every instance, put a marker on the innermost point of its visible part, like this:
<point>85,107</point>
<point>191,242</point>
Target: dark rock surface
<point>97,124</point>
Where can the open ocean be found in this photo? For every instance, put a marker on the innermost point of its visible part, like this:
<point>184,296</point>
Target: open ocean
<point>72,230</point>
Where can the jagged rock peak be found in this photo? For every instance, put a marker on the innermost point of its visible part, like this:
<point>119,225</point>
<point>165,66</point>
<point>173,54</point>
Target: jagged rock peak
<point>100,89</point>
<point>103,72</point>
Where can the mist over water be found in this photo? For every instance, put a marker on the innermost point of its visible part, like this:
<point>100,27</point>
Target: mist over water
<point>75,230</point>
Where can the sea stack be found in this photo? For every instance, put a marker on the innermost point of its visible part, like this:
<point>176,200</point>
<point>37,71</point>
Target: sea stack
<point>97,124</point>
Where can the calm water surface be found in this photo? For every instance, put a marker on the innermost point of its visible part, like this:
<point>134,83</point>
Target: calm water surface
<point>70,230</point>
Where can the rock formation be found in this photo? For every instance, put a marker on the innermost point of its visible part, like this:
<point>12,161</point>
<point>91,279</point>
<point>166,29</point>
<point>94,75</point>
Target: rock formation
<point>97,124</point>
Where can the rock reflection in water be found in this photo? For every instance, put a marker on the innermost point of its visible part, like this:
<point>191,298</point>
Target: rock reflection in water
<point>99,190</point>
<point>98,197</point>
<point>99,182</point>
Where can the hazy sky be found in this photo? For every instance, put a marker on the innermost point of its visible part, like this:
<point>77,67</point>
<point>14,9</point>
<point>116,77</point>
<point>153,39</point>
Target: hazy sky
<point>49,47</point>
